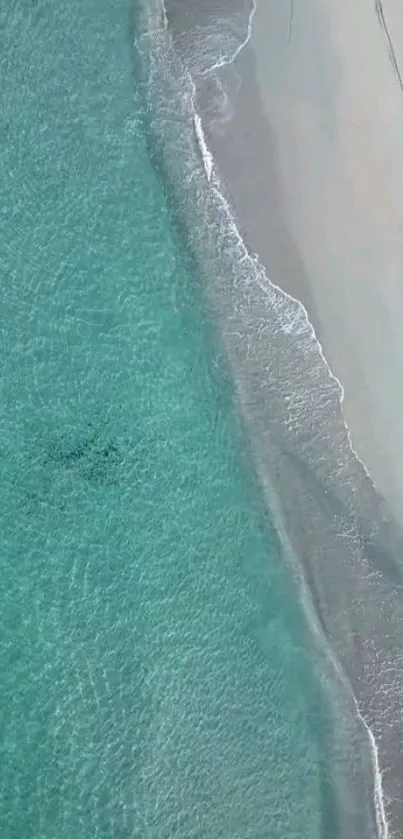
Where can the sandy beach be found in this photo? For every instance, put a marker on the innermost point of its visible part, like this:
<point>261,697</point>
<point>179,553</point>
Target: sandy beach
<point>331,94</point>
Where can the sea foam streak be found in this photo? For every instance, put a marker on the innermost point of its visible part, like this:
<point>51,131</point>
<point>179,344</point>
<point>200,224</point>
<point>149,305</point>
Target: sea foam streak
<point>292,319</point>
<point>205,152</point>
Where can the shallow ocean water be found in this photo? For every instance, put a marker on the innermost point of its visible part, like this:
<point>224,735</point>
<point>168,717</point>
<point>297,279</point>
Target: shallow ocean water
<point>156,672</point>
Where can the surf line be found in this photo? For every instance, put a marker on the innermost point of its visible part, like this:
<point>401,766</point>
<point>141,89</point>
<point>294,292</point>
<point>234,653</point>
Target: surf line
<point>213,179</point>
<point>208,160</point>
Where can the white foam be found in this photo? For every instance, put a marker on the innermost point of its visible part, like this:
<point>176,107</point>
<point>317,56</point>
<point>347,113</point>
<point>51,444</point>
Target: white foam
<point>229,59</point>
<point>208,160</point>
<point>381,820</point>
<point>164,15</point>
<point>160,20</point>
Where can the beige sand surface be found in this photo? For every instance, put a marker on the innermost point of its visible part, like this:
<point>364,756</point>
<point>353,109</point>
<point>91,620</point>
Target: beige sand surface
<point>335,106</point>
<point>390,13</point>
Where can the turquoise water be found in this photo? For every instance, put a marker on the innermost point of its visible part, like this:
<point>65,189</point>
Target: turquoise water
<point>155,668</point>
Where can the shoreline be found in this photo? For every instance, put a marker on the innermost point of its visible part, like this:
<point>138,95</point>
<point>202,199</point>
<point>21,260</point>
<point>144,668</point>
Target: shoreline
<point>243,169</point>
<point>329,508</point>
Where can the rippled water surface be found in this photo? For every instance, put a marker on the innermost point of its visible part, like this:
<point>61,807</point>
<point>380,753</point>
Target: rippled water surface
<point>155,671</point>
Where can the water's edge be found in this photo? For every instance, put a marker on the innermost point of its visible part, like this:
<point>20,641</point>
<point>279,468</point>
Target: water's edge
<point>334,493</point>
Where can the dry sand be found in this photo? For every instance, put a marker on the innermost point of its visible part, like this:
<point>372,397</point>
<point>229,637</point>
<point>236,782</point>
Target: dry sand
<point>332,96</point>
